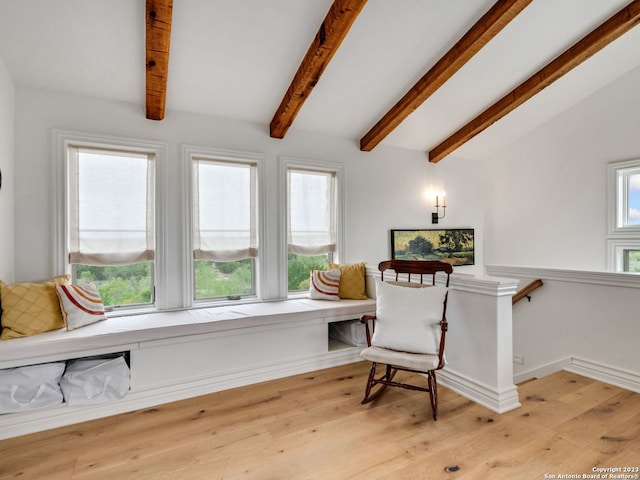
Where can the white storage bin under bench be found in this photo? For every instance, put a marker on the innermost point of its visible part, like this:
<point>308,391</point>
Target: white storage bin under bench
<point>30,387</point>
<point>180,354</point>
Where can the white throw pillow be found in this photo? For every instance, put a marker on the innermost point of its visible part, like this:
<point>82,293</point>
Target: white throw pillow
<point>408,319</point>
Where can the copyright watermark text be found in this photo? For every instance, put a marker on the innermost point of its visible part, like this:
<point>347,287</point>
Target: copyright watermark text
<point>608,473</point>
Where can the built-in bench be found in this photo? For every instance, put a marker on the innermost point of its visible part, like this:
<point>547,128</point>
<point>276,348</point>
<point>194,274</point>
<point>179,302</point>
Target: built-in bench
<point>181,354</point>
<point>184,353</point>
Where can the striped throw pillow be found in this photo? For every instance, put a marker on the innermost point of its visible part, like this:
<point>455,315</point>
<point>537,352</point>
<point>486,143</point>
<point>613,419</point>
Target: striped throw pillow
<point>80,304</point>
<point>324,285</point>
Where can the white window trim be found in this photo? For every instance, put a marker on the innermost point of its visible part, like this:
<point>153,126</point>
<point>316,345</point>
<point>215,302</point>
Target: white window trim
<point>61,140</point>
<point>188,152</point>
<point>616,248</point>
<point>285,163</point>
<point>621,238</point>
<point>616,196</point>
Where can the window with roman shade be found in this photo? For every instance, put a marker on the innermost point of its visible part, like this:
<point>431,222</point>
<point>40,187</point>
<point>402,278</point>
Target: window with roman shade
<point>224,210</point>
<point>311,212</point>
<point>110,200</point>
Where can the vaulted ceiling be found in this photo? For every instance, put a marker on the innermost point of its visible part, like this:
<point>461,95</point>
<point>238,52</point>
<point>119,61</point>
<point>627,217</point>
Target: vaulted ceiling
<point>237,59</point>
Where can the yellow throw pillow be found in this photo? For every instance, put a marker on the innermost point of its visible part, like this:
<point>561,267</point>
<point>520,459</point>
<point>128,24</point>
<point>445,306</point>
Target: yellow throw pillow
<point>351,280</point>
<point>30,308</point>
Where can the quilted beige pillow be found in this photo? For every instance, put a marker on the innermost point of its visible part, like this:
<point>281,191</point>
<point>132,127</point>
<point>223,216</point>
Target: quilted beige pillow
<point>352,280</point>
<point>30,308</point>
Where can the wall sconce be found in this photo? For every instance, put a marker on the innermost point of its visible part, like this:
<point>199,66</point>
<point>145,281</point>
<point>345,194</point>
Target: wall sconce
<point>435,216</point>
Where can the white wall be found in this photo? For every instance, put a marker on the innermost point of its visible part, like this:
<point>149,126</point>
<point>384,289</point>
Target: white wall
<point>7,205</point>
<point>546,217</point>
<point>539,203</point>
<point>547,193</point>
<point>384,189</point>
<point>586,321</point>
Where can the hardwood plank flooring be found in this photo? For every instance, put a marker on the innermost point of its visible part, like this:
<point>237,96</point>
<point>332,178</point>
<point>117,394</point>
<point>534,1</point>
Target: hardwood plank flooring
<point>312,426</point>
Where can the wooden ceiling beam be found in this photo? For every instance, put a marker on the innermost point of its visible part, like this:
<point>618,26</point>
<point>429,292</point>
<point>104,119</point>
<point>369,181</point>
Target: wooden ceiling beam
<point>333,30</point>
<point>158,39</point>
<point>613,28</point>
<point>491,23</point>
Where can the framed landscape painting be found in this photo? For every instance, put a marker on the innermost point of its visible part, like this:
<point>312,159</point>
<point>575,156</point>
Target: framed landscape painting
<point>454,246</point>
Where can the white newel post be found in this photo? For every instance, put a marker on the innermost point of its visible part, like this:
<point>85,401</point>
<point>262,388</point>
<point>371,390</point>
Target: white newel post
<point>480,341</point>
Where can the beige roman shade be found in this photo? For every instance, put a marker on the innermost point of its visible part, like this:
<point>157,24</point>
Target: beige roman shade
<point>311,212</point>
<point>224,210</point>
<point>111,216</point>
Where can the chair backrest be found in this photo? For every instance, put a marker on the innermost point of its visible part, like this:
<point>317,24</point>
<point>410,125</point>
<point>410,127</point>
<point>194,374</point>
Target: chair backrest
<point>416,267</point>
<point>422,268</point>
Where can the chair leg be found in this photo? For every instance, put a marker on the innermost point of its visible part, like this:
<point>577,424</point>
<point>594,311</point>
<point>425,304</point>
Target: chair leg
<point>433,393</point>
<point>371,382</point>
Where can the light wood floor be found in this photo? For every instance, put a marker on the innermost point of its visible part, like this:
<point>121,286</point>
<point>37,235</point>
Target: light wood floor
<point>312,426</point>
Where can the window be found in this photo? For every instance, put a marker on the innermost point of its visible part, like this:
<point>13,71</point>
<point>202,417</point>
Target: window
<point>624,255</point>
<point>110,213</point>
<point>626,179</point>
<point>312,215</point>
<point>631,260</point>
<point>624,216</point>
<point>224,227</point>
<point>148,242</point>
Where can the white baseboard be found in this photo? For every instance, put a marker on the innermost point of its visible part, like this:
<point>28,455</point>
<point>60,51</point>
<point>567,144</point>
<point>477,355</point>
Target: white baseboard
<point>612,375</point>
<point>498,401</point>
<point>16,424</point>
<point>616,376</point>
<point>543,370</point>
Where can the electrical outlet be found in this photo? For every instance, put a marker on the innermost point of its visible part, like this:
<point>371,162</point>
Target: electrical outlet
<point>518,359</point>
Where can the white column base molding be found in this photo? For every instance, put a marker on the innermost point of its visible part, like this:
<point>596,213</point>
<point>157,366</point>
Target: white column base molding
<point>499,401</point>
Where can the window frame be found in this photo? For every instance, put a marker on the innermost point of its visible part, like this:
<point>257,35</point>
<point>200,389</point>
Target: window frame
<point>62,140</point>
<point>622,236</point>
<point>189,153</point>
<point>618,196</point>
<point>616,248</point>
<point>337,168</point>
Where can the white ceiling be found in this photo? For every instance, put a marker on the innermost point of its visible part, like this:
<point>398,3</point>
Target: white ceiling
<point>236,58</point>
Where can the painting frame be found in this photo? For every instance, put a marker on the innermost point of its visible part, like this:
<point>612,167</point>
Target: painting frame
<point>455,246</point>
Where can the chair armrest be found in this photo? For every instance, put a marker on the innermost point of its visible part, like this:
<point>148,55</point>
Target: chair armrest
<point>366,319</point>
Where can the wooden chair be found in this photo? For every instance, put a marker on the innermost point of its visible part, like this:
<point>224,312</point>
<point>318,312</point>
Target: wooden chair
<point>416,306</point>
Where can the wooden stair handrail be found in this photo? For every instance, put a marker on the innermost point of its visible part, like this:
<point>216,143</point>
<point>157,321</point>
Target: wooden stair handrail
<point>526,291</point>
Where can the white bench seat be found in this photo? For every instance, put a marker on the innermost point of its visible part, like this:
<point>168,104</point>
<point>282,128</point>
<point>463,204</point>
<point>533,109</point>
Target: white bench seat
<point>129,331</point>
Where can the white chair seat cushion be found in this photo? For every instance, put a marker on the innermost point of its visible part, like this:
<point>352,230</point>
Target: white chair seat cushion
<point>413,361</point>
<point>408,319</point>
